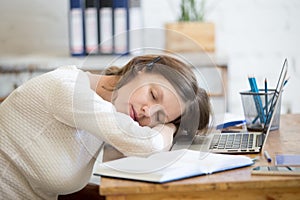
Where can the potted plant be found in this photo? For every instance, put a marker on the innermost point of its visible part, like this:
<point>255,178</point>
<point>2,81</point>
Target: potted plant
<point>191,32</point>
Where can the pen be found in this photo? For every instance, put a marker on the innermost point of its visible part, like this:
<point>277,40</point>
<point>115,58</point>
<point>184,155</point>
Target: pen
<point>267,156</point>
<point>257,99</point>
<point>266,97</point>
<point>285,82</point>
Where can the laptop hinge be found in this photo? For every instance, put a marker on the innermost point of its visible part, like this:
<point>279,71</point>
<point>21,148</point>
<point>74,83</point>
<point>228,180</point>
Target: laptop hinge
<point>260,139</point>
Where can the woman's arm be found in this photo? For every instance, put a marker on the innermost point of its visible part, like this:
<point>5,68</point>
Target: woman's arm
<point>73,102</point>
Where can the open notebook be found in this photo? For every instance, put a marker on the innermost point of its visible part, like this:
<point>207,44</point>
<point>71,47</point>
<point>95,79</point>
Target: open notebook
<point>169,166</point>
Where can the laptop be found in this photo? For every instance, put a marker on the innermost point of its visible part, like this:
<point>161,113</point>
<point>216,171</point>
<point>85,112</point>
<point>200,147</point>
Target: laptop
<point>239,141</point>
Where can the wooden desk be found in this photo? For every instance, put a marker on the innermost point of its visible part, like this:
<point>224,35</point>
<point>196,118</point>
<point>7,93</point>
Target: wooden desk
<point>234,184</point>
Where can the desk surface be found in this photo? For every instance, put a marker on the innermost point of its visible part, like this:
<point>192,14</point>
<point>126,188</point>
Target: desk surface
<point>234,184</point>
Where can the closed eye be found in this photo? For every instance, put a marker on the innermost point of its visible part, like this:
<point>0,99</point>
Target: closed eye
<point>153,95</point>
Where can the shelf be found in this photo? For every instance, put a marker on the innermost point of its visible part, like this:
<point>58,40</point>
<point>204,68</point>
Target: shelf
<point>25,63</point>
<point>210,69</point>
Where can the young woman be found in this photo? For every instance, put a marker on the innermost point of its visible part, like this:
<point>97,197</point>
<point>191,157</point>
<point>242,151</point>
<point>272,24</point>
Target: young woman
<point>53,127</point>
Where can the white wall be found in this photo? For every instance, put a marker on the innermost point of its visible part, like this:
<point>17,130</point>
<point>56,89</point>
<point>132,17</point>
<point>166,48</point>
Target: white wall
<point>256,35</point>
<point>34,27</point>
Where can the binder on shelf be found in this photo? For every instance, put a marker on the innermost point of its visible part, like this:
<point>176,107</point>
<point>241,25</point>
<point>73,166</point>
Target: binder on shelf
<point>91,24</point>
<point>105,34</point>
<point>135,27</point>
<point>98,24</point>
<point>121,26</point>
<point>76,28</point>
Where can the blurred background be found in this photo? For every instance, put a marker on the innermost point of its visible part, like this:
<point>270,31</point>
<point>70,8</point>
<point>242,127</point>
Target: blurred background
<point>252,37</point>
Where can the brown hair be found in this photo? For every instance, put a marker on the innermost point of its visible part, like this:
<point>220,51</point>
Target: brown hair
<point>180,75</point>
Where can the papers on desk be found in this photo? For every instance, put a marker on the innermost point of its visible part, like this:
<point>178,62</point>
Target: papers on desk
<point>170,166</point>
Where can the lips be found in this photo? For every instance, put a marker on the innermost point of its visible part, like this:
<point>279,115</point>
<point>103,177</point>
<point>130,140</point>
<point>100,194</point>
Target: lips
<point>133,113</point>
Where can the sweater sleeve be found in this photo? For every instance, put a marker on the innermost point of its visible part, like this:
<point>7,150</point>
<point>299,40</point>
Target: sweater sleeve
<point>72,102</point>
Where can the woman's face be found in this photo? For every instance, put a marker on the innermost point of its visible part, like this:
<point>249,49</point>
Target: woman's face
<point>149,99</point>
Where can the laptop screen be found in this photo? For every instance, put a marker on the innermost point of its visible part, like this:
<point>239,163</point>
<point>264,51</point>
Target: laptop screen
<point>276,98</point>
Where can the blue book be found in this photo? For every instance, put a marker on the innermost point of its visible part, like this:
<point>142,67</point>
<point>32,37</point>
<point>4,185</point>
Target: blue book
<point>230,124</point>
<point>287,159</point>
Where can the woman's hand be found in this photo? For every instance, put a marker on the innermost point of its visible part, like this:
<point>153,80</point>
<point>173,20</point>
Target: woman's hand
<point>167,131</point>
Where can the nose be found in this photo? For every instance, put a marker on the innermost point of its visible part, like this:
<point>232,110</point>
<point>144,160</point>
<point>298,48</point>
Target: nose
<point>150,115</point>
<point>151,110</point>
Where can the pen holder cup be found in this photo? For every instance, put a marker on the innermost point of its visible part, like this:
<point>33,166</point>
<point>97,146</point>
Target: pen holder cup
<point>259,108</point>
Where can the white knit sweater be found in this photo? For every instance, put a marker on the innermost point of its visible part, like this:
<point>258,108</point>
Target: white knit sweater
<point>51,130</point>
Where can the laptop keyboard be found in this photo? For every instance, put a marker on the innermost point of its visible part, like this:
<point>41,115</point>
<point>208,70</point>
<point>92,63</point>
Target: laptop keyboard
<point>232,141</point>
